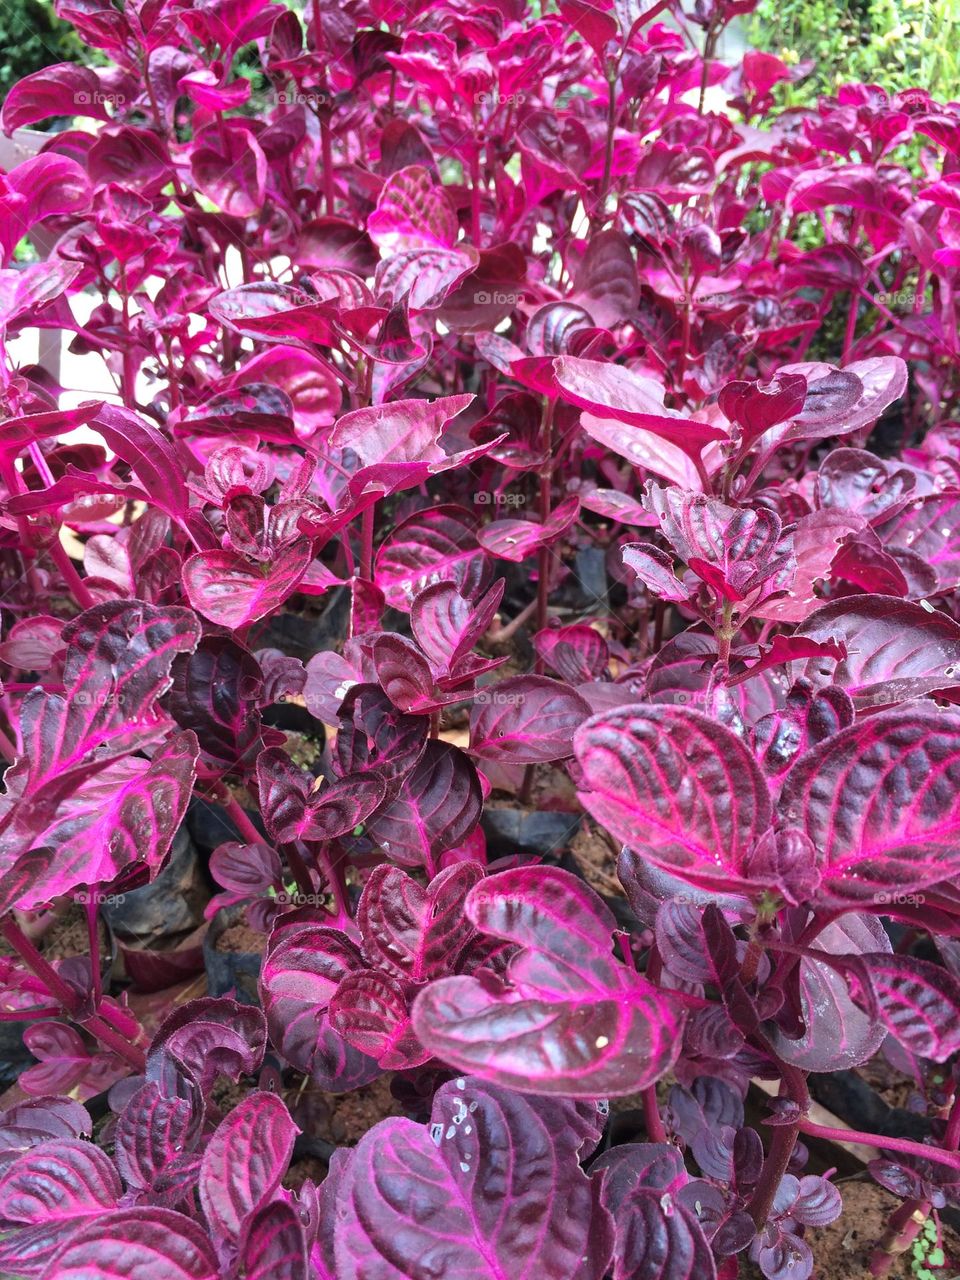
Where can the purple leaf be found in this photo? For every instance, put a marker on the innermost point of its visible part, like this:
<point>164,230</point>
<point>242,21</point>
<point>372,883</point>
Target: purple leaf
<point>370,1011</point>
<point>836,1034</point>
<point>577,653</point>
<point>150,1132</point>
<point>896,650</point>
<point>61,90</point>
<point>300,976</point>
<point>678,787</point>
<point>612,391</point>
<point>274,1244</point>
<point>291,811</point>
<point>916,1001</point>
<point>64,1180</point>
<point>232,591</point>
<point>137,1244</point>
<point>526,720</point>
<point>447,624</point>
<point>880,802</point>
<point>430,547</point>
<point>573,1021</point>
<point>414,933</point>
<point>436,807</point>
<point>500,1190</point>
<point>244,1161</point>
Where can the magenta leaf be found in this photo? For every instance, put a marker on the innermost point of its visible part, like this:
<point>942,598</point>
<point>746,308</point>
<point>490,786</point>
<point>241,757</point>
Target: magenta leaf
<point>846,1036</point>
<point>895,650</point>
<point>126,814</point>
<point>414,933</point>
<point>299,979</point>
<point>614,392</point>
<point>880,802</point>
<point>430,547</point>
<point>274,1244</point>
<point>929,528</point>
<point>435,808</point>
<point>525,720</point>
<point>150,1132</point>
<point>446,624</point>
<point>233,591</point>
<point>577,653</point>
<point>291,811</point>
<point>244,1161</point>
<point>64,1179</point>
<point>370,1010</point>
<point>606,283</point>
<point>678,787</point>
<point>500,1185</point>
<point>137,1244</point>
<point>573,1021</point>
<point>916,1001</point>
<point>403,431</point>
<point>61,90</point>
<point>412,213</point>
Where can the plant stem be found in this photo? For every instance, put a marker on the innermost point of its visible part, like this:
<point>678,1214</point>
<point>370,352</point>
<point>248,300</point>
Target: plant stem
<point>907,1222</point>
<point>919,1150</point>
<point>367,530</point>
<point>68,999</point>
<point>239,818</point>
<point>543,556</point>
<point>651,1109</point>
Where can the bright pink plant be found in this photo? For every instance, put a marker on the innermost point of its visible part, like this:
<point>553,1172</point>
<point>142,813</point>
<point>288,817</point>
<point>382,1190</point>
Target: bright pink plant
<point>476,301</point>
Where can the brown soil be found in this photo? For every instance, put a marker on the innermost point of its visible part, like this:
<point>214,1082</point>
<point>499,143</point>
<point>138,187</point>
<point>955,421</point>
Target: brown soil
<point>893,1087</point>
<point>596,860</point>
<point>67,936</point>
<point>842,1250</point>
<point>352,1114</point>
<point>241,938</point>
<point>306,1169</point>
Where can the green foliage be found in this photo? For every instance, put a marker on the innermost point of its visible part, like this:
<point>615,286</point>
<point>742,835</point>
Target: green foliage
<point>898,44</point>
<point>927,1255</point>
<point>31,37</point>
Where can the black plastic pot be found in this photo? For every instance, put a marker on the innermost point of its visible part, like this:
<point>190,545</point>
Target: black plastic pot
<point>233,973</point>
<point>546,832</point>
<point>301,636</point>
<point>169,908</point>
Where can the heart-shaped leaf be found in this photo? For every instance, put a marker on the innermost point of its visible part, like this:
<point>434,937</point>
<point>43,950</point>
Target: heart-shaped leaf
<point>414,933</point>
<point>244,1161</point>
<point>573,1021</point>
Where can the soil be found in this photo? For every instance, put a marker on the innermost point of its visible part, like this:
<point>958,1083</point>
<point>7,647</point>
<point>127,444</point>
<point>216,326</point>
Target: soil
<point>893,1087</point>
<point>352,1114</point>
<point>67,936</point>
<point>842,1250</point>
<point>305,1169</point>
<point>241,939</point>
<point>597,861</point>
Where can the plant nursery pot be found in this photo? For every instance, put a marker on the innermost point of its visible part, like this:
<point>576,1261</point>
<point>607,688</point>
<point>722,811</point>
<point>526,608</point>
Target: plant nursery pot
<point>170,907</point>
<point>232,969</point>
